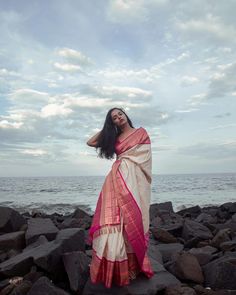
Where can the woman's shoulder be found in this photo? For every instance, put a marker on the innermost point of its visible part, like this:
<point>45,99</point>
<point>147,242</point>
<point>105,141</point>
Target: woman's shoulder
<point>142,129</point>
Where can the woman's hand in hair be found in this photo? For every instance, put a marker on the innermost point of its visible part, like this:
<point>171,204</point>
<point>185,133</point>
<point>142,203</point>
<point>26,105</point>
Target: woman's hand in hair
<point>93,141</point>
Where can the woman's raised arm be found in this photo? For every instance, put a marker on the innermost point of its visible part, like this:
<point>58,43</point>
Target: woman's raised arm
<point>93,140</point>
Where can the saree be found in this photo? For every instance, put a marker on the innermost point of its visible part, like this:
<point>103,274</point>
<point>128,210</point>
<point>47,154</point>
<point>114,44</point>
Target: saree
<point>119,232</point>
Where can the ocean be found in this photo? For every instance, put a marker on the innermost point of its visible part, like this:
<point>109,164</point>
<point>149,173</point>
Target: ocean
<point>64,194</point>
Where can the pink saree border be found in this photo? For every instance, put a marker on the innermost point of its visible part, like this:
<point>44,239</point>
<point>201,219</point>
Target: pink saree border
<point>133,224</point>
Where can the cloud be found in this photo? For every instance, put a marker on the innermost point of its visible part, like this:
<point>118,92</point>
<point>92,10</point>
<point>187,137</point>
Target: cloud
<point>198,99</point>
<point>34,152</point>
<point>223,126</point>
<point>55,110</point>
<point>125,12</point>
<point>211,26</point>
<point>210,151</point>
<point>117,92</point>
<point>187,110</point>
<point>227,114</point>
<point>75,57</point>
<point>5,124</point>
<point>69,68</point>
<point>188,81</point>
<point>222,81</point>
<point>28,96</point>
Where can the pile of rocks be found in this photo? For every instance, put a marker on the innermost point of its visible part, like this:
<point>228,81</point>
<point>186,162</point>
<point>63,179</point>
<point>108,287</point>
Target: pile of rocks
<point>192,251</point>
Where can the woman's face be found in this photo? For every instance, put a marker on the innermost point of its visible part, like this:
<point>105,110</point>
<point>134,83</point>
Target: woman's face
<point>118,117</point>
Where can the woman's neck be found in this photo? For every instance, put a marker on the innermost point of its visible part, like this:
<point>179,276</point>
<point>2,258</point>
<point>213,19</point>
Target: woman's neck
<point>126,128</point>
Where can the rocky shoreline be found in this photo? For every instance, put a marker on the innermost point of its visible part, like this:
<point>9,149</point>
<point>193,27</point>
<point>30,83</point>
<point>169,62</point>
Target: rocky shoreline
<point>192,251</point>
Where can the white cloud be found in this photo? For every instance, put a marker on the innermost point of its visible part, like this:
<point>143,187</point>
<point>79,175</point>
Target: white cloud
<point>129,11</point>
<point>5,124</point>
<point>34,152</point>
<point>51,110</point>
<point>75,57</point>
<point>29,96</point>
<point>211,25</point>
<point>69,68</point>
<point>188,81</point>
<point>198,99</point>
<point>118,92</point>
<point>187,110</point>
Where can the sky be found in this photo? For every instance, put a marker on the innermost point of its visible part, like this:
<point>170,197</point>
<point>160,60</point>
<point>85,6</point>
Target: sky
<point>170,64</point>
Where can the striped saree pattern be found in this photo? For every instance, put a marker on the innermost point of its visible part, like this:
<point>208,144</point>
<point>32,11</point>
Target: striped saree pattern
<point>120,228</point>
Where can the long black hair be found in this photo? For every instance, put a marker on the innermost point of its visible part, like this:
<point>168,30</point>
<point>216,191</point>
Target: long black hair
<point>109,133</point>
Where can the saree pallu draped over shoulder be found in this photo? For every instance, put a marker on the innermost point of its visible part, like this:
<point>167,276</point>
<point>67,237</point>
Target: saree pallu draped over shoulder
<point>120,228</point>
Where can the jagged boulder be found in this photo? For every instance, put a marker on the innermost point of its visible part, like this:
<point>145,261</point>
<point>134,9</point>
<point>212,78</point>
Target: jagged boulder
<point>13,240</point>
<point>40,226</point>
<point>10,220</point>
<point>194,232</point>
<point>48,256</point>
<point>187,267</point>
<point>168,250</point>
<point>203,254</point>
<point>221,273</point>
<point>44,286</point>
<point>77,268</point>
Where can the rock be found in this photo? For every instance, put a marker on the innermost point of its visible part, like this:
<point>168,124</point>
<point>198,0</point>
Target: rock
<point>163,236</point>
<point>180,290</point>
<point>79,213</point>
<point>156,221</point>
<point>190,212</point>
<point>170,222</point>
<point>44,286</point>
<point>10,220</point>
<point>156,209</point>
<point>140,286</point>
<point>46,256</point>
<point>70,222</point>
<point>229,206</point>
<point>77,267</point>
<point>221,273</point>
<point>7,290</point>
<point>71,239</point>
<point>154,253</point>
<point>161,280</point>
<point>230,224</point>
<point>4,284</point>
<point>22,288</point>
<point>168,250</point>
<point>212,210</point>
<point>222,215</point>
<point>3,256</point>
<point>40,226</point>
<point>193,229</point>
<point>223,235</point>
<point>204,217</point>
<point>228,246</point>
<point>187,267</point>
<point>234,217</point>
<point>33,275</point>
<point>12,253</point>
<point>40,241</point>
<point>17,265</point>
<point>203,254</point>
<point>89,253</point>
<point>14,240</point>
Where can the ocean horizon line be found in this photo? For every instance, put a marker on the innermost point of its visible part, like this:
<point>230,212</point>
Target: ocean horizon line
<point>103,175</point>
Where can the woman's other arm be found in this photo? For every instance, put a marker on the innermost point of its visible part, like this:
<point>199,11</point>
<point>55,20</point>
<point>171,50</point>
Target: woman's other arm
<point>93,140</point>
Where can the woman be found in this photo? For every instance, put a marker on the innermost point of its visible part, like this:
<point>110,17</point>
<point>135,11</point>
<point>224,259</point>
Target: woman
<point>120,228</point>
